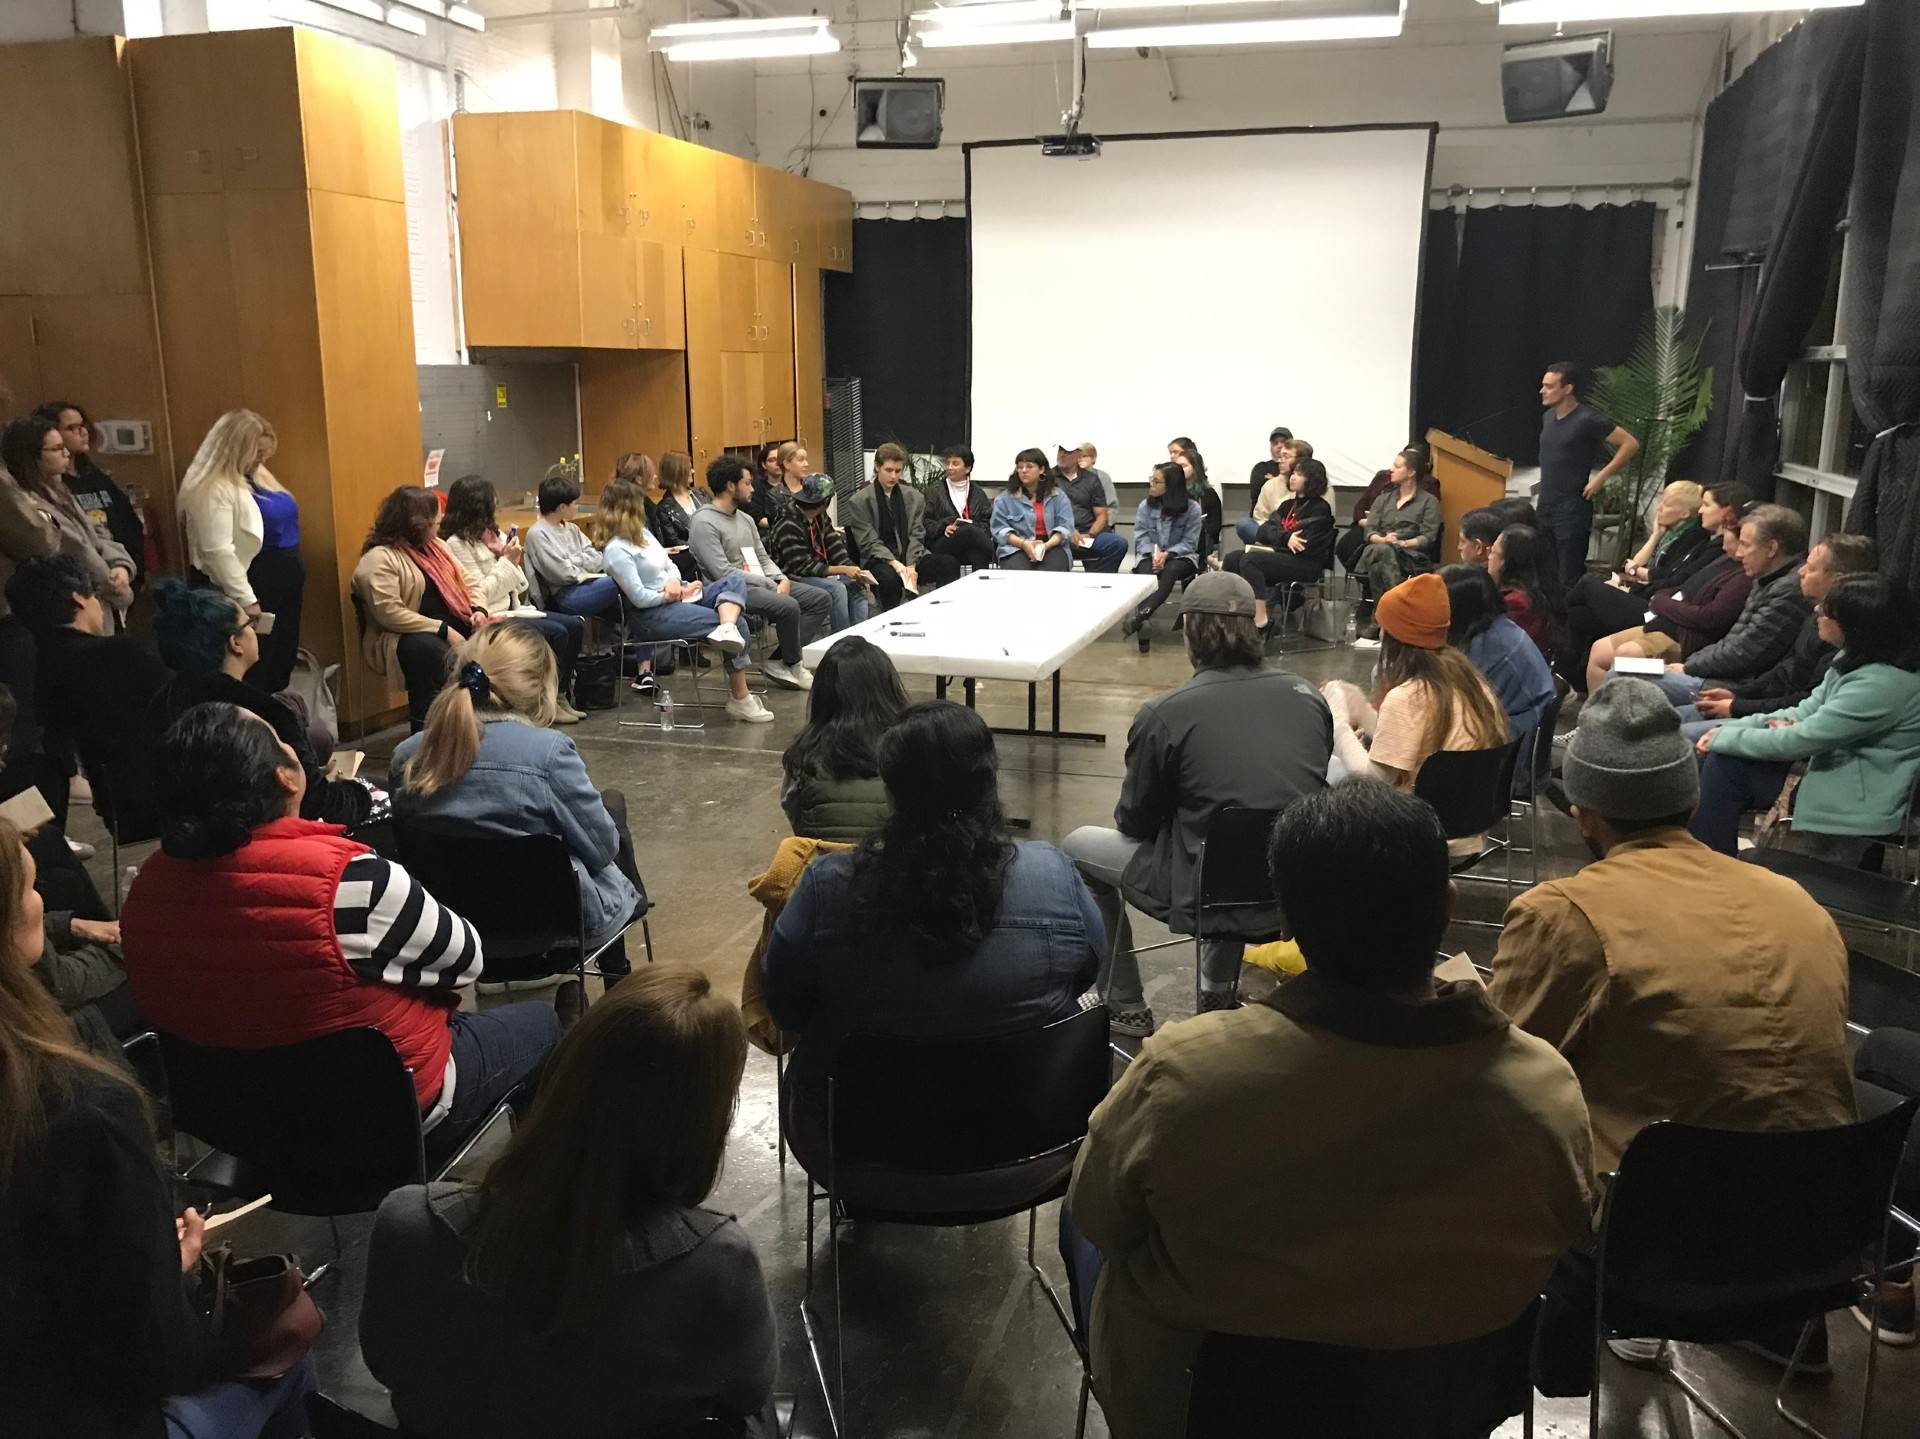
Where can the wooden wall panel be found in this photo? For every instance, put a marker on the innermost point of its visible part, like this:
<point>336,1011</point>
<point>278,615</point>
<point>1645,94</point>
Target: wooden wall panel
<point>19,357</point>
<point>809,364</point>
<point>348,123</point>
<point>200,333</point>
<point>629,401</point>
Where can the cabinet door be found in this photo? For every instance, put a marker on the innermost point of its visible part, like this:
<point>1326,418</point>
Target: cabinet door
<point>739,296</point>
<point>519,228</point>
<point>779,202</point>
<point>739,222</point>
<point>705,412</point>
<point>349,111</point>
<point>263,144</point>
<point>773,284</point>
<point>663,317</point>
<point>609,302</point>
<point>691,177</point>
<point>809,363</point>
<point>180,105</point>
<point>652,211</point>
<point>599,177</point>
<point>776,368</point>
<point>836,229</point>
<point>742,398</point>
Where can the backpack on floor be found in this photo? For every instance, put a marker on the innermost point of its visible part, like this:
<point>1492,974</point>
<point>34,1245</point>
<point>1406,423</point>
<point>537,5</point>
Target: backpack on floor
<point>312,684</point>
<point>596,680</point>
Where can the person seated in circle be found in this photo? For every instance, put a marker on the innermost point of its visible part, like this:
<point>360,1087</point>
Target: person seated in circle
<point>253,928</point>
<point>1295,540</point>
<point>814,554</point>
<point>209,643</point>
<point>662,606</point>
<point>586,1251</point>
<point>1519,565</point>
<point>1031,519</point>
<point>831,788</point>
<point>936,925</point>
<point>1166,544</point>
<point>488,761</point>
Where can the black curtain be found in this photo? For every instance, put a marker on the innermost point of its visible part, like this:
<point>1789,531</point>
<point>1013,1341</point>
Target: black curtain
<point>1439,275</point>
<point>1538,284</point>
<point>1720,290</point>
<point>902,323</point>
<point>1882,319</point>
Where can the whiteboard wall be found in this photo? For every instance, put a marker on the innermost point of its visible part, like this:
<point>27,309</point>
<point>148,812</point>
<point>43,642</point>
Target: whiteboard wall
<point>1205,285</point>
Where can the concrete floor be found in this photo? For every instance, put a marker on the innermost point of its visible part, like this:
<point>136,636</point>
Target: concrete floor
<point>947,1334</point>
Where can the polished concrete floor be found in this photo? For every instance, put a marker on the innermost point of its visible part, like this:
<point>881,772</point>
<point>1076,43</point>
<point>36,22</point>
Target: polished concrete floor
<point>946,1333</point>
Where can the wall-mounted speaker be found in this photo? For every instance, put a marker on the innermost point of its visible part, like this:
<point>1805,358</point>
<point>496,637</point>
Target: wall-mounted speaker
<point>897,114</point>
<point>1552,79</point>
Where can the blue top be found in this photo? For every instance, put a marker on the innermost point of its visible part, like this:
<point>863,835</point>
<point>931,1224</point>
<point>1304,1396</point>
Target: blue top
<point>1013,516</point>
<point>641,571</point>
<point>1154,530</point>
<point>533,781</point>
<point>279,518</point>
<point>827,972</point>
<point>1515,669</point>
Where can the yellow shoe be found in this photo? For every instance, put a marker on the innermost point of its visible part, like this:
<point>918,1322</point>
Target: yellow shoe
<point>565,713</point>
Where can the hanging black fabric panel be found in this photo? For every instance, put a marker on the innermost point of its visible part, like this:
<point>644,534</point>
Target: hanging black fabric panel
<point>1812,106</point>
<point>1439,275</point>
<point>903,323</point>
<point>1539,284</point>
<point>1723,281</point>
<point>1882,312</point>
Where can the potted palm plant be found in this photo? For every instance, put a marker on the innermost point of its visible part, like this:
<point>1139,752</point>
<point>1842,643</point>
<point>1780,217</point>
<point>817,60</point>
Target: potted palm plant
<point>1662,396</point>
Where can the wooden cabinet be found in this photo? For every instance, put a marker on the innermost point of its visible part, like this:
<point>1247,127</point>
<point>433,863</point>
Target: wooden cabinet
<point>689,173</point>
<point>776,396</point>
<point>662,309</point>
<point>609,293</point>
<point>809,364</point>
<point>834,220</point>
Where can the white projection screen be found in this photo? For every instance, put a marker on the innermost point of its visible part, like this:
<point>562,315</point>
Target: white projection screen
<point>1205,285</point>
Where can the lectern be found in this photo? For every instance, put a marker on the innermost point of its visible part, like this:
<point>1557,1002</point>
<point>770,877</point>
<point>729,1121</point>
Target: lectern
<point>1469,478</point>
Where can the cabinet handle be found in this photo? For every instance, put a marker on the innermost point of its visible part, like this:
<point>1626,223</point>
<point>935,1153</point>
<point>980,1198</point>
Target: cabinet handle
<point>749,237</point>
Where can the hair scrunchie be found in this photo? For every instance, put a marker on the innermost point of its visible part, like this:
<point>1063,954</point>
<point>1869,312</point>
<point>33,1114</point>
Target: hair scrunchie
<point>474,680</point>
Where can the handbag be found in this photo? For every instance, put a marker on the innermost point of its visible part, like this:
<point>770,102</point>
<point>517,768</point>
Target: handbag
<point>312,684</point>
<point>596,680</point>
<point>261,1321</point>
<point>1327,618</point>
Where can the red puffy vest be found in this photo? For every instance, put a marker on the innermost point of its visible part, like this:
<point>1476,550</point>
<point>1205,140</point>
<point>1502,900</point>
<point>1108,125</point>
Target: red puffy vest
<point>239,953</point>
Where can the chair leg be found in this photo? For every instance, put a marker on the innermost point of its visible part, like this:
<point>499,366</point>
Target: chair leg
<point>1080,1421</point>
<point>1700,1401</point>
<point>331,1266</point>
<point>114,835</point>
<point>808,1321</point>
<point>646,938</point>
<point>1053,1298</point>
<point>780,1098</point>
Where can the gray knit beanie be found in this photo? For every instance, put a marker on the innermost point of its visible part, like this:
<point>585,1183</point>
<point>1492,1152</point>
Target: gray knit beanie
<point>1628,759</point>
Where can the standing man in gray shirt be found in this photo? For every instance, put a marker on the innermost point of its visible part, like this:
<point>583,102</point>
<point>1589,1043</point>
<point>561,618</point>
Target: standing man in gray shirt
<point>725,541</point>
<point>1571,437</point>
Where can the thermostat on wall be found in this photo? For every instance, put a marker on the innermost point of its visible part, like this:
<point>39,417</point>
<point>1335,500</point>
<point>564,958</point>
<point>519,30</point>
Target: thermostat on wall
<point>125,437</point>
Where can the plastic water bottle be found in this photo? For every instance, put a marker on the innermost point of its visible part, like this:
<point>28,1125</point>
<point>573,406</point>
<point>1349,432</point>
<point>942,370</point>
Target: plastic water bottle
<point>665,703</point>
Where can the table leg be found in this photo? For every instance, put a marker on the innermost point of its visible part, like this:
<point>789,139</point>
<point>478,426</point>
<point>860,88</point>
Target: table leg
<point>939,687</point>
<point>1033,692</point>
<point>1033,730</point>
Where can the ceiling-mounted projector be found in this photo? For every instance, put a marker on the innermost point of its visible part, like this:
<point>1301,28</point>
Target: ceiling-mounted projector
<point>1074,147</point>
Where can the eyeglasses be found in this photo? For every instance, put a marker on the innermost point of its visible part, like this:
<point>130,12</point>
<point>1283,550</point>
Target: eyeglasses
<point>53,449</point>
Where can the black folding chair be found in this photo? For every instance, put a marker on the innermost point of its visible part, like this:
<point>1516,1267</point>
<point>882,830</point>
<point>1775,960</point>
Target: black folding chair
<point>948,1132</point>
<point>1472,792</point>
<point>1230,883</point>
<point>519,891</point>
<point>1887,903</point>
<point>328,1126</point>
<point>1248,1388</point>
<point>124,800</point>
<point>330,1419</point>
<point>1711,1236</point>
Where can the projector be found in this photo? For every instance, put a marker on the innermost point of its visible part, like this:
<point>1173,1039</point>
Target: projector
<point>1074,147</point>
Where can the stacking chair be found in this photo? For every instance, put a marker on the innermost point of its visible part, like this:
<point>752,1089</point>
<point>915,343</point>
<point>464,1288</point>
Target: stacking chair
<point>1711,1236</point>
<point>948,1132</point>
<point>1886,903</point>
<point>1229,880</point>
<point>1248,1388</point>
<point>332,1420</point>
<point>1471,790</point>
<point>518,890</point>
<point>1533,767</point>
<point>328,1126</point>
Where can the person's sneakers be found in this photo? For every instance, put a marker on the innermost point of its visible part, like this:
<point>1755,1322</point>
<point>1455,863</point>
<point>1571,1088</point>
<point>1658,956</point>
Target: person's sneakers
<point>749,710</point>
<point>568,1002</point>
<point>726,638</point>
<point>1212,999</point>
<point>564,713</point>
<point>806,676</point>
<point>81,849</point>
<point>783,674</point>
<point>644,683</point>
<point>1640,1353</point>
<point>1777,1348</point>
<point>1896,1325</point>
<point>1370,632</point>
<point>1133,1023</point>
<point>79,791</point>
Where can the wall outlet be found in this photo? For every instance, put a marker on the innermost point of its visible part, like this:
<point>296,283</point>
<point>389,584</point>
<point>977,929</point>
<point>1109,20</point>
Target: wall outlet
<point>124,437</point>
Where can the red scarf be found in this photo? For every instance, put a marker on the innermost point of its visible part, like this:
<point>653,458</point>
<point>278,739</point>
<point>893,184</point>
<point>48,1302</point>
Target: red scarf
<point>437,563</point>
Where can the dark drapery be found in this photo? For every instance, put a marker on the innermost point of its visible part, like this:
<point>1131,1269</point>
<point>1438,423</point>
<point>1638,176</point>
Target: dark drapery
<point>1796,159</point>
<point>1882,308</point>
<point>1538,284</point>
<point>903,323</point>
<point>1720,289</point>
<point>1439,276</point>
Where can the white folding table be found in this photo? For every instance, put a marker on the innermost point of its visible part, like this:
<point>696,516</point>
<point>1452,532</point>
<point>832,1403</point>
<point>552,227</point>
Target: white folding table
<point>1021,625</point>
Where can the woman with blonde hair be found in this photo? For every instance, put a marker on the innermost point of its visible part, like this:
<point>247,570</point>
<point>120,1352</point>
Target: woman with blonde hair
<point>586,1250</point>
<point>1430,695</point>
<point>1679,545</point>
<point>669,516</point>
<point>662,606</point>
<point>242,532</point>
<point>102,1327</point>
<point>487,758</point>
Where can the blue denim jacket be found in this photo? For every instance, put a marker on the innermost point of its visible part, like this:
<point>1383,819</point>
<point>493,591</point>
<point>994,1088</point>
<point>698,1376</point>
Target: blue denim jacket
<point>1514,668</point>
<point>533,781</point>
<point>1153,530</point>
<point>827,973</point>
<point>1013,515</point>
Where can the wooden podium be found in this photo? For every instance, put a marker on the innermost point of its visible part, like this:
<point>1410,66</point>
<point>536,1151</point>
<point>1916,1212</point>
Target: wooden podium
<point>1469,478</point>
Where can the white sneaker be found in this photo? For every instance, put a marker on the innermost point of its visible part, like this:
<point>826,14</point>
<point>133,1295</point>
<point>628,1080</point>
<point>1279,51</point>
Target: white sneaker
<point>805,676</point>
<point>787,676</point>
<point>81,849</point>
<point>726,638</point>
<point>750,710</point>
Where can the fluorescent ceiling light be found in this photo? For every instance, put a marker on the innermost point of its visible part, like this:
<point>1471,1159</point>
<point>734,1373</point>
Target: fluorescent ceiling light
<point>461,15</point>
<point>720,29</point>
<point>410,21</point>
<point>1165,4</point>
<point>435,8</point>
<point>754,47</point>
<point>1552,12</point>
<point>999,12</point>
<point>945,37</point>
<point>365,9</point>
<point>1293,29</point>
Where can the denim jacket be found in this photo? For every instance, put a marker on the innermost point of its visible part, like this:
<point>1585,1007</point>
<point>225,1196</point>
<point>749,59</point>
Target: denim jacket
<point>1013,516</point>
<point>827,973</point>
<point>1153,530</point>
<point>533,781</point>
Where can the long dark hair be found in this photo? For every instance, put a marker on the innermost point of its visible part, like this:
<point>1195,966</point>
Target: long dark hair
<point>20,446</point>
<point>932,874</point>
<point>470,508</point>
<point>1527,565</point>
<point>1475,602</point>
<point>1875,613</point>
<point>856,694</point>
<point>1187,448</point>
<point>219,769</point>
<point>1176,499</point>
<point>402,519</point>
<point>590,1164</point>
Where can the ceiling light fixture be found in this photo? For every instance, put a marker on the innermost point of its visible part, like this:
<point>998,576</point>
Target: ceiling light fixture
<point>1555,12</point>
<point>365,9</point>
<point>953,37</point>
<point>435,8</point>
<point>999,12</point>
<point>401,18</point>
<point>471,19</point>
<point>752,47</point>
<point>721,29</point>
<point>1366,25</point>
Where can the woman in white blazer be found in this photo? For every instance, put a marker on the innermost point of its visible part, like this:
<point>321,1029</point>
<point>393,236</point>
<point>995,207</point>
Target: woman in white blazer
<point>242,533</point>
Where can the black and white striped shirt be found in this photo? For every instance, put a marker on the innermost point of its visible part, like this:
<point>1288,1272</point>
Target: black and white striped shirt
<point>393,932</point>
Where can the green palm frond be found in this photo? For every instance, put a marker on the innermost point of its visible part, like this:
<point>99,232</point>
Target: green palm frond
<point>1662,397</point>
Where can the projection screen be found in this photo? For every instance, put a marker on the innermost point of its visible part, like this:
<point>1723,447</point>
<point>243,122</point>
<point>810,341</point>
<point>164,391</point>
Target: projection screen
<point>1206,285</point>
